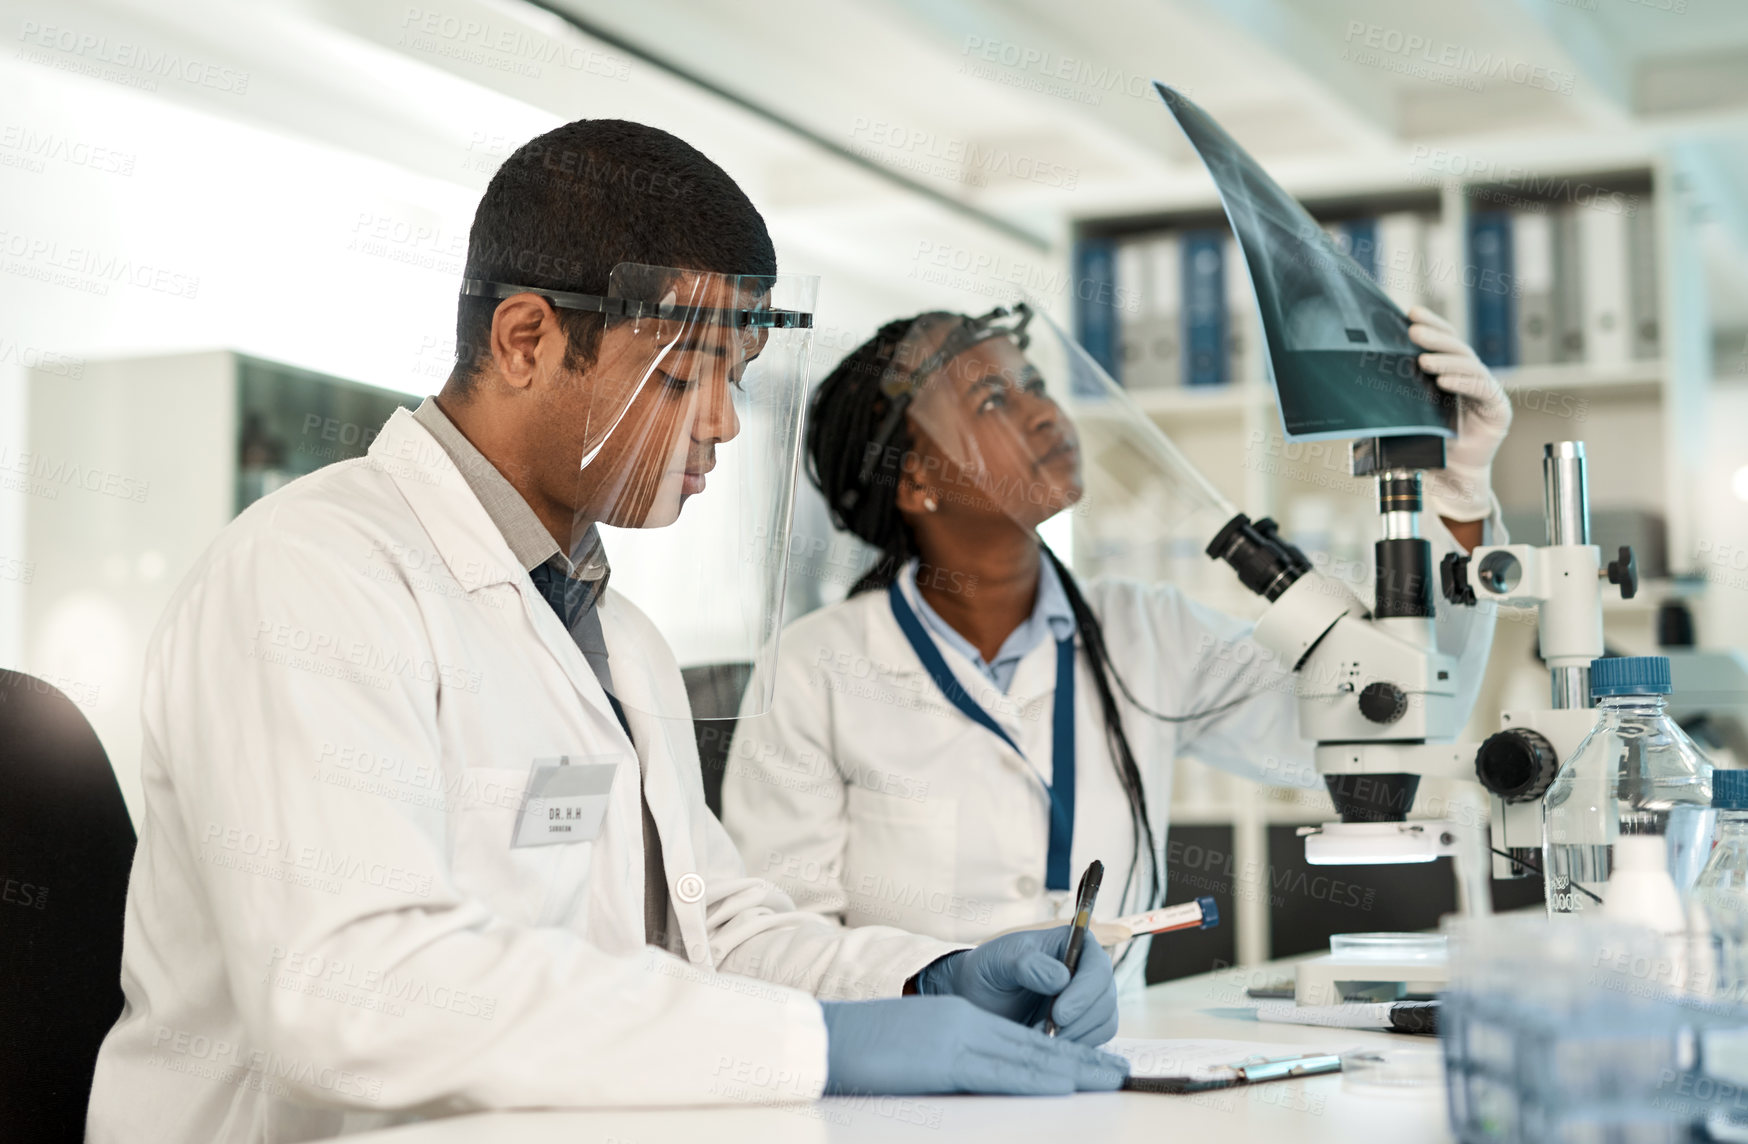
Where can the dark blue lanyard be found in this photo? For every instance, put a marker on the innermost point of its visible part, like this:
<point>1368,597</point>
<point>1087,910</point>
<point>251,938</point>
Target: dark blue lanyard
<point>1061,787</point>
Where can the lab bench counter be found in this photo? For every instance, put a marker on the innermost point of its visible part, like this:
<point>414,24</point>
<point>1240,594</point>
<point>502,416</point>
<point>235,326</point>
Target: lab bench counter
<point>1312,1109</point>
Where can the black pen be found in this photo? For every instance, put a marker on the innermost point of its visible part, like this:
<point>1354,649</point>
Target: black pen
<point>1083,908</point>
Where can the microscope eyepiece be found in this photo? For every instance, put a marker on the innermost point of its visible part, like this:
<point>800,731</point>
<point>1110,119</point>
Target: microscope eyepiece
<point>1265,563</point>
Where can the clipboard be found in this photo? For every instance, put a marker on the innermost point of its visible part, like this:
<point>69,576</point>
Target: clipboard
<point>1186,1066</point>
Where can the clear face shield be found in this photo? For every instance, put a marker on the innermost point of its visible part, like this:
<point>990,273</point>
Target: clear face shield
<point>696,393</point>
<point>1012,417</point>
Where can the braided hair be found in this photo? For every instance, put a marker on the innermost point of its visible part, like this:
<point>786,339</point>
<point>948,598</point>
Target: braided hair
<point>842,417</point>
<point>842,421</point>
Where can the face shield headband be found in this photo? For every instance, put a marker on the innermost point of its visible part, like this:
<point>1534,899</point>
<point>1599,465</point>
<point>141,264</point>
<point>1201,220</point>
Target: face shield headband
<point>666,309</point>
<point>901,386</point>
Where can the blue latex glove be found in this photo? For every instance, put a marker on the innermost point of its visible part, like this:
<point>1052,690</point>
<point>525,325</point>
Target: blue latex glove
<point>1017,974</point>
<point>909,1045</point>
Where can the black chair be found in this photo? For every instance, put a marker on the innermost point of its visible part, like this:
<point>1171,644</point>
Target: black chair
<point>66,844</point>
<point>720,686</point>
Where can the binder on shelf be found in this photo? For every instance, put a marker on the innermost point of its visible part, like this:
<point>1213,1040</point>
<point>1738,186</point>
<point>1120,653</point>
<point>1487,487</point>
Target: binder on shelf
<point>1153,344</point>
<point>1607,303</point>
<point>1204,306</point>
<point>1444,270</point>
<point>1569,268</point>
<point>1095,310</point>
<point>1130,263</point>
<point>1165,320</point>
<point>1337,236</point>
<point>1359,241</point>
<point>1491,313</point>
<point>1647,344</point>
<point>1532,256</point>
<point>1243,323</point>
<point>1401,267</point>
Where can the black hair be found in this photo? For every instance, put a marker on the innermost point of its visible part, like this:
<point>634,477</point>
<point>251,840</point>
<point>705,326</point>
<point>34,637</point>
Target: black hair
<point>568,206</point>
<point>1092,637</point>
<point>843,418</point>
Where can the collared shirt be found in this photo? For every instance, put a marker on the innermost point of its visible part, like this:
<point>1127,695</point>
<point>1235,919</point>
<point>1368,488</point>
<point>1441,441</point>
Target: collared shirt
<point>533,546</point>
<point>1051,616</point>
<point>529,540</point>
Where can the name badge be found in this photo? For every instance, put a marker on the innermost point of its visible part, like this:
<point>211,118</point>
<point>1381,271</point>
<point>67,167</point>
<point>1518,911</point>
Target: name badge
<point>566,801</point>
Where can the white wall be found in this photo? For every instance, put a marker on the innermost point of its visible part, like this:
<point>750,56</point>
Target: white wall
<point>1721,541</point>
<point>318,217</point>
<point>135,227</point>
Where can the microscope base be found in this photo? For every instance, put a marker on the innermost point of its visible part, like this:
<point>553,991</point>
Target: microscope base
<point>1332,979</point>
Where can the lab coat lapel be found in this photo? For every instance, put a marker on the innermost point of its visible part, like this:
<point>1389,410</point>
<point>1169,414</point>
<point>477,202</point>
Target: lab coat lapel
<point>470,544</point>
<point>889,648</point>
<point>647,678</point>
<point>1035,676</point>
<point>461,531</point>
<point>1033,695</point>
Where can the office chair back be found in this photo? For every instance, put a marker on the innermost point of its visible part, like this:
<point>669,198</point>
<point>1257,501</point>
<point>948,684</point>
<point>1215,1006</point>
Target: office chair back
<point>723,683</point>
<point>66,844</point>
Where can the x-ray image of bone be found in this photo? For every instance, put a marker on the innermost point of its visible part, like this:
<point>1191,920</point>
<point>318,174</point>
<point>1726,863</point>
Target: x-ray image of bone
<point>1339,355</point>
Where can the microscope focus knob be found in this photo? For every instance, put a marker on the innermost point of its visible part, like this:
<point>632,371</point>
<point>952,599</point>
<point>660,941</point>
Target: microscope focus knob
<point>1517,764</point>
<point>1453,574</point>
<point>1383,702</point>
<point>1625,572</point>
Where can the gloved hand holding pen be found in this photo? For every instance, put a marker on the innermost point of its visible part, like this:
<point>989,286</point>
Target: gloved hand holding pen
<point>909,1045</point>
<point>1021,976</point>
<point>976,1026</point>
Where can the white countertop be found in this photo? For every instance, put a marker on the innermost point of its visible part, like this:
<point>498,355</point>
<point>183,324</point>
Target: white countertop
<point>1312,1109</point>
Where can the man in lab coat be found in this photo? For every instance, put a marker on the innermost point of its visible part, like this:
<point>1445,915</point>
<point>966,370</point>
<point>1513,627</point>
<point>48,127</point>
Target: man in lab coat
<point>424,829</point>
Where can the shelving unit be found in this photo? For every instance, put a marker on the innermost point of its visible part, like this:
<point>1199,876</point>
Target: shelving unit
<point>1629,379</point>
<point>1206,401</point>
<point>1639,419</point>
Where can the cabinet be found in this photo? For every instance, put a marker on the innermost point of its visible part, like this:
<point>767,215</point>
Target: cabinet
<point>133,467</point>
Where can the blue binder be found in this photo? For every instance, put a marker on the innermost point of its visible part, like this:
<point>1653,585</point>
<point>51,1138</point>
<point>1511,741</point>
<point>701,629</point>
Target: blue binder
<point>1204,307</point>
<point>1362,243</point>
<point>1492,310</point>
<point>1095,311</point>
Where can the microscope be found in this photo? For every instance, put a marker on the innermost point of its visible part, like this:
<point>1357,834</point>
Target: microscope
<point>1379,700</point>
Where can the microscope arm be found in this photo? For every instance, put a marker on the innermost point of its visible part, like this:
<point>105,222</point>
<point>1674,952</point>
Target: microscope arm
<point>1377,697</point>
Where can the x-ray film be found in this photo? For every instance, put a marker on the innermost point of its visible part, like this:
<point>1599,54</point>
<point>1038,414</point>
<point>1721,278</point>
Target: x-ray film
<point>1338,352</point>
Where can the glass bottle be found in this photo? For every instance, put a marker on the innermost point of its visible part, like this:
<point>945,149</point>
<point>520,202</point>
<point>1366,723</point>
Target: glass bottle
<point>1636,773</point>
<point>1721,890</point>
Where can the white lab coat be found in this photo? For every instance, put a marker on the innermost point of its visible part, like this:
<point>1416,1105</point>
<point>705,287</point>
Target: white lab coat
<point>327,930</point>
<point>871,799</point>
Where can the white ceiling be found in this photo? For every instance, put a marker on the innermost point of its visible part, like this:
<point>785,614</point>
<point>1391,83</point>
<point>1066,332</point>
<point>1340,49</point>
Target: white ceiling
<point>1302,83</point>
<point>1050,99</point>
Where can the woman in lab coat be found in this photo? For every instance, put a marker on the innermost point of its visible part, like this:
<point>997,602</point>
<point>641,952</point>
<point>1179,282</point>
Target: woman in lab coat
<point>911,771</point>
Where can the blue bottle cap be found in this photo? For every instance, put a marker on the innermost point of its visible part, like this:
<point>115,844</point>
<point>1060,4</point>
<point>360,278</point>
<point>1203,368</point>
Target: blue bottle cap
<point>1730,789</point>
<point>1629,675</point>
